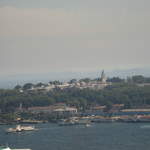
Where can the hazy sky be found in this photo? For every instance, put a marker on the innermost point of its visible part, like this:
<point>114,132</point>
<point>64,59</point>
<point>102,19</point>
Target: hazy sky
<point>39,36</point>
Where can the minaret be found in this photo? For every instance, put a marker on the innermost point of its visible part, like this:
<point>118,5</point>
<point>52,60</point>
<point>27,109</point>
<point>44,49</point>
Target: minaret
<point>20,107</point>
<point>103,77</point>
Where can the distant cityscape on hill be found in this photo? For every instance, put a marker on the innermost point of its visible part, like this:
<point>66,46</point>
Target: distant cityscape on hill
<point>95,84</point>
<point>9,81</point>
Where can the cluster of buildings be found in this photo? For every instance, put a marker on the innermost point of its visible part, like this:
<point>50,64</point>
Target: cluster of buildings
<point>62,110</point>
<point>56,109</point>
<point>102,108</point>
<point>91,84</point>
<point>96,113</point>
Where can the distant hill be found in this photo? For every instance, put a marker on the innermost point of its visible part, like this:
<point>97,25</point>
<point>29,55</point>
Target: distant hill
<point>123,73</point>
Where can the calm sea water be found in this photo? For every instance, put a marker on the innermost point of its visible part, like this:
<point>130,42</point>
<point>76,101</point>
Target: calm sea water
<point>104,136</point>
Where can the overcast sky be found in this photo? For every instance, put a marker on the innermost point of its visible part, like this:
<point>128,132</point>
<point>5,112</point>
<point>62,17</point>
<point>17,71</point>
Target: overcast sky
<point>38,36</point>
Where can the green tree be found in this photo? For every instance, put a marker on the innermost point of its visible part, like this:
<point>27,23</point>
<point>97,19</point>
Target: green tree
<point>138,79</point>
<point>27,86</point>
<point>17,87</point>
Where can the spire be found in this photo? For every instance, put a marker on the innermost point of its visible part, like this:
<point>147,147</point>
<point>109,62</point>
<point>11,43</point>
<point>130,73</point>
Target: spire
<point>103,77</point>
<point>20,106</point>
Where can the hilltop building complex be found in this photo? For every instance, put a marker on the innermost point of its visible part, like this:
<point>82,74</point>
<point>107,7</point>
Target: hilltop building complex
<point>98,84</point>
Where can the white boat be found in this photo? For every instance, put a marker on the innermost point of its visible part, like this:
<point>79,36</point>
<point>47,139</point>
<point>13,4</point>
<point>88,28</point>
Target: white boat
<point>74,121</point>
<point>7,148</point>
<point>4,148</point>
<point>20,128</point>
<point>88,125</point>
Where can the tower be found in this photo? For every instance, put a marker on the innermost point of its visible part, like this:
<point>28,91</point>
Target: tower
<point>103,77</point>
<point>20,107</point>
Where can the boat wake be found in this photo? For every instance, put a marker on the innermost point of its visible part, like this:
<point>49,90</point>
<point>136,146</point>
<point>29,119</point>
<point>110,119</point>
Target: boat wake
<point>145,127</point>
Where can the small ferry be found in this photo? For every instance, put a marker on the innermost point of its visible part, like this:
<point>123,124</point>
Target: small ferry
<point>7,148</point>
<point>74,121</point>
<point>87,125</point>
<point>20,128</point>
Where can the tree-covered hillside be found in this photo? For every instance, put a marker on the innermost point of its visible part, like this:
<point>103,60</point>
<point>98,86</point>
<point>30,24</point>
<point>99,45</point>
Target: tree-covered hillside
<point>118,93</point>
